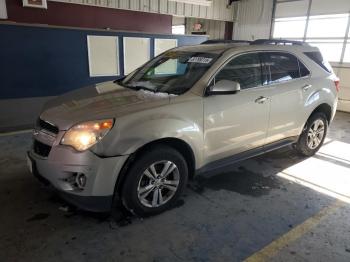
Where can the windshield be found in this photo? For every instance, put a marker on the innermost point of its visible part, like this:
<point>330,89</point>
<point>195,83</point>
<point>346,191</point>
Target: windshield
<point>173,72</point>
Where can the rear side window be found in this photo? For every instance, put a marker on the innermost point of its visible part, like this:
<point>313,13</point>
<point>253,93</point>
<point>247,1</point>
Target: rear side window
<point>281,67</point>
<point>318,59</point>
<point>303,70</point>
<point>244,69</point>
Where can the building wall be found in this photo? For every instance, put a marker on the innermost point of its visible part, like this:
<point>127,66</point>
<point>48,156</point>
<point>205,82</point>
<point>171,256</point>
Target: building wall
<point>3,10</point>
<point>40,62</point>
<point>217,11</point>
<point>334,46</point>
<point>179,20</point>
<point>343,72</point>
<point>63,14</point>
<point>213,28</point>
<point>253,19</point>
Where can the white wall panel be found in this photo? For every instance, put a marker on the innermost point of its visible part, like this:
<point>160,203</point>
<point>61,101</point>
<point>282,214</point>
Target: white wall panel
<point>217,11</point>
<point>180,9</point>
<point>163,6</point>
<point>222,29</point>
<point>253,19</point>
<point>135,4</point>
<point>202,12</point>
<point>3,11</point>
<point>162,45</point>
<point>144,5</point>
<point>178,20</point>
<point>123,4</point>
<point>210,12</point>
<point>133,59</point>
<point>188,10</point>
<point>292,8</point>
<point>321,7</point>
<point>171,8</point>
<point>111,4</point>
<point>195,11</point>
<point>214,29</point>
<point>154,6</point>
<point>103,55</point>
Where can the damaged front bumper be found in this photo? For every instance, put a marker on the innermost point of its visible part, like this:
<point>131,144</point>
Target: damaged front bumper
<point>59,166</point>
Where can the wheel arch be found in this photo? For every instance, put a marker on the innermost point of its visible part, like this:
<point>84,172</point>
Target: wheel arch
<point>323,108</point>
<point>178,144</point>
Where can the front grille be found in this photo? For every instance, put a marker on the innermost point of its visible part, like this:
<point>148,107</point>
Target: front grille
<point>41,149</point>
<point>47,126</point>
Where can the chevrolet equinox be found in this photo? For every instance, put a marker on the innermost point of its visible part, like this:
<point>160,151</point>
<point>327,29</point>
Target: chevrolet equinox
<point>189,110</point>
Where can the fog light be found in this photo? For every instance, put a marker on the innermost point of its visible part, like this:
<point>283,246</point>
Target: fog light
<point>80,179</point>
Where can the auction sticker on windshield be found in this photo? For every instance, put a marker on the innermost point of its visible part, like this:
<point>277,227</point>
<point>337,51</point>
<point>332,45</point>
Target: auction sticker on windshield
<point>201,60</point>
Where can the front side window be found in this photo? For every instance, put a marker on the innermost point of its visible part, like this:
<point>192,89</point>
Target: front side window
<point>245,69</point>
<point>172,72</point>
<point>281,67</point>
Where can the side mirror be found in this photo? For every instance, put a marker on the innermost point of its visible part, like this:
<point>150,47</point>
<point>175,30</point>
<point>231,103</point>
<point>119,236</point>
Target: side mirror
<point>225,87</point>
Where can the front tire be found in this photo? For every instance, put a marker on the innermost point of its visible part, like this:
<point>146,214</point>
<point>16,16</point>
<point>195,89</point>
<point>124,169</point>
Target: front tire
<point>155,181</point>
<point>313,135</point>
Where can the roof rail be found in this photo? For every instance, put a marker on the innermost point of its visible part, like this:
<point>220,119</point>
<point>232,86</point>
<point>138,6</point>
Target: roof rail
<point>223,41</point>
<point>278,42</point>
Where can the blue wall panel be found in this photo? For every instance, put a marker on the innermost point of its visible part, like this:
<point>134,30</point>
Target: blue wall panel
<point>47,61</point>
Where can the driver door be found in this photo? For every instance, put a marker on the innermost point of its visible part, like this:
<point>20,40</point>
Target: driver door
<point>235,123</point>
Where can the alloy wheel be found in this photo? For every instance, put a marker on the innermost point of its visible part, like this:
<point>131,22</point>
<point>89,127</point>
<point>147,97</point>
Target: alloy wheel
<point>315,134</point>
<point>158,183</point>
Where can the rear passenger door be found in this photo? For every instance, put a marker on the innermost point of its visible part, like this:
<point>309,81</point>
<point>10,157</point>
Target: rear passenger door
<point>288,81</point>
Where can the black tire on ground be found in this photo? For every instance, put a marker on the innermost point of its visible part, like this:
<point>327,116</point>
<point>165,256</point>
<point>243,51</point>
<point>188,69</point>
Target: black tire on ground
<point>302,146</point>
<point>136,172</point>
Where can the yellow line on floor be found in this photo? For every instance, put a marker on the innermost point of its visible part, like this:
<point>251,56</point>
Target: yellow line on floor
<point>16,132</point>
<point>274,247</point>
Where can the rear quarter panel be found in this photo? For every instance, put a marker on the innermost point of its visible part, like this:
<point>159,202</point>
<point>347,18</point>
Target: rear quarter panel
<point>323,91</point>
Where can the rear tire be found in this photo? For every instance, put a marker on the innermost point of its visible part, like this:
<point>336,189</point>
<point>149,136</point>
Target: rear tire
<point>313,135</point>
<point>155,181</point>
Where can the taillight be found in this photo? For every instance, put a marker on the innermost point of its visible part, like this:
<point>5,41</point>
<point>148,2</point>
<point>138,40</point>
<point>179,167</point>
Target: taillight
<point>337,84</point>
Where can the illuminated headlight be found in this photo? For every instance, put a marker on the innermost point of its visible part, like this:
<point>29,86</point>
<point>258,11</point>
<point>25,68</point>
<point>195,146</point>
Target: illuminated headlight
<point>84,135</point>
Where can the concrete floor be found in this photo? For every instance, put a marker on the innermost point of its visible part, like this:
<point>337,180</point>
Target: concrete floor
<point>274,207</point>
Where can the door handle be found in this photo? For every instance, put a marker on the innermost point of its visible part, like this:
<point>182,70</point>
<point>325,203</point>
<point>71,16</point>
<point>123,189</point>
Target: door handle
<point>306,87</point>
<point>261,100</point>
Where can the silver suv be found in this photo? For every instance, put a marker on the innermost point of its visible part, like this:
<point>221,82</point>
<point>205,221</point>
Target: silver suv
<point>137,140</point>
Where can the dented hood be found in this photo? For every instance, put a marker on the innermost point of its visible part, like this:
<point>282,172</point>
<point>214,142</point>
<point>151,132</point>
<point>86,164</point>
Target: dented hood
<point>100,101</point>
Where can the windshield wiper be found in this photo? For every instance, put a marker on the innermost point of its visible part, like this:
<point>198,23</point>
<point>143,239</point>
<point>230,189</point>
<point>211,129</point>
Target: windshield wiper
<point>119,80</point>
<point>157,90</point>
<point>141,87</point>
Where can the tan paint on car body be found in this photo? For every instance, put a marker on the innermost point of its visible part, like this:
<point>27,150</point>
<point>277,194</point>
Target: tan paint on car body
<point>215,126</point>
